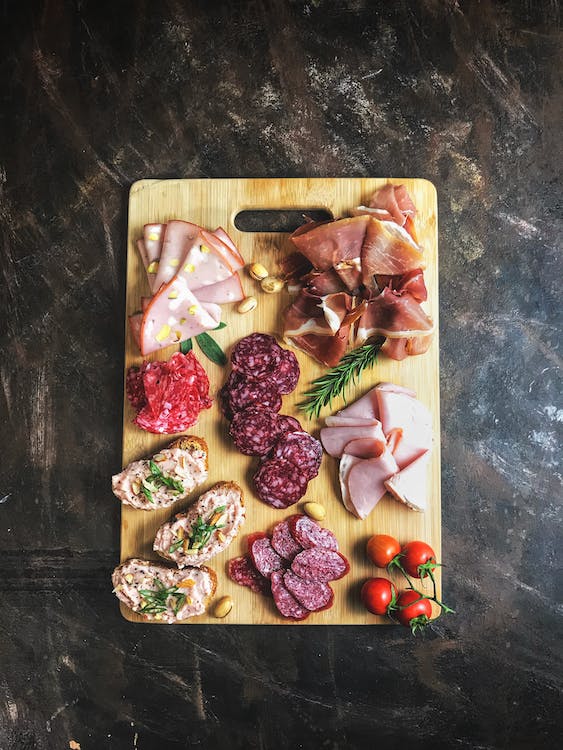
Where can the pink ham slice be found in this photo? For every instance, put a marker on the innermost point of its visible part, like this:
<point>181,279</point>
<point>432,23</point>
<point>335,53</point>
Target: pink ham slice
<point>174,314</point>
<point>339,420</point>
<point>325,245</point>
<point>346,465</point>
<point>364,408</point>
<point>364,448</point>
<point>393,315</point>
<point>204,264</point>
<point>226,240</point>
<point>228,290</point>
<point>179,236</point>
<point>410,485</point>
<point>388,249</point>
<point>335,439</point>
<point>152,237</point>
<point>366,482</point>
<point>143,253</point>
<point>400,410</point>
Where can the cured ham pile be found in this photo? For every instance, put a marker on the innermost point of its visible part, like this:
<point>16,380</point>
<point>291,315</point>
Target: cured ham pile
<point>191,272</point>
<point>383,441</point>
<point>358,278</point>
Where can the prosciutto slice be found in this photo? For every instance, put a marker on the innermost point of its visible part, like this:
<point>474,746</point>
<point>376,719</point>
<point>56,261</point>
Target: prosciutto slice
<point>400,349</point>
<point>388,249</point>
<point>394,199</point>
<point>412,282</point>
<point>325,245</point>
<point>393,315</point>
<point>328,350</point>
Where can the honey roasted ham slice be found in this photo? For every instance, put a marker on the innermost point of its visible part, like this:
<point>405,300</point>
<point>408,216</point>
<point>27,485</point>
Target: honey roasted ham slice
<point>329,243</point>
<point>388,249</point>
<point>393,315</point>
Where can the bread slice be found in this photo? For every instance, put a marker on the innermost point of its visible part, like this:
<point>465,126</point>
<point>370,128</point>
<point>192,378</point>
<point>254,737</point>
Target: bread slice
<point>161,593</point>
<point>185,460</point>
<point>185,539</point>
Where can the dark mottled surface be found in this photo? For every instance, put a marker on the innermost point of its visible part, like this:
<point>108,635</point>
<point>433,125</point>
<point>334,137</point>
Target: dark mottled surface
<point>98,94</point>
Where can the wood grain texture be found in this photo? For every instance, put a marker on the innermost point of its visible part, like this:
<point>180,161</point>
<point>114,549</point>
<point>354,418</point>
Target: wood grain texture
<point>216,202</point>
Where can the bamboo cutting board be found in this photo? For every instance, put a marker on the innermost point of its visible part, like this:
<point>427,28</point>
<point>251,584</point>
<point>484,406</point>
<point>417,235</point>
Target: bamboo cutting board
<point>214,203</point>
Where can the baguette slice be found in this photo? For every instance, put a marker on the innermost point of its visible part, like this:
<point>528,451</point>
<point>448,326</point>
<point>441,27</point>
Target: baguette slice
<point>179,539</point>
<point>185,460</point>
<point>189,591</point>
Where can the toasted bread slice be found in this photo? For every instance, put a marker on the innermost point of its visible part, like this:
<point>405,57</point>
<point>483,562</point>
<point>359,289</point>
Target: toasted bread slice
<point>205,529</point>
<point>183,466</point>
<point>160,592</point>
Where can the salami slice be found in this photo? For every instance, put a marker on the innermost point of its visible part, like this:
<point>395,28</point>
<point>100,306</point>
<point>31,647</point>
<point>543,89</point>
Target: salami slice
<point>283,541</point>
<point>251,538</point>
<point>134,388</point>
<point>265,558</point>
<point>312,595</point>
<point>308,533</point>
<point>286,375</point>
<point>256,355</point>
<point>288,424</point>
<point>320,564</point>
<point>279,483</point>
<point>286,603</point>
<point>254,430</point>
<point>242,571</point>
<point>302,450</point>
<point>241,393</point>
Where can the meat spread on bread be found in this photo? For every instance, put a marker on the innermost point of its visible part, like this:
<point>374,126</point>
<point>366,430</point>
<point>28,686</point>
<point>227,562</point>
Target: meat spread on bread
<point>170,475</point>
<point>161,593</point>
<point>205,529</point>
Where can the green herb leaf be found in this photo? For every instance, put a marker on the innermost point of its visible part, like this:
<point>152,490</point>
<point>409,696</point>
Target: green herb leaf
<point>202,530</point>
<point>211,349</point>
<point>156,600</point>
<point>175,546</point>
<point>186,346</point>
<point>338,378</point>
<point>147,493</point>
<point>220,326</point>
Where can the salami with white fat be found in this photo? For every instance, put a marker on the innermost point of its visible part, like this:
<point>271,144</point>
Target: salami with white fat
<point>312,595</point>
<point>302,450</point>
<point>320,564</point>
<point>254,430</point>
<point>286,374</point>
<point>308,533</point>
<point>256,356</point>
<point>283,541</point>
<point>279,483</point>
<point>265,558</point>
<point>240,393</point>
<point>286,603</point>
<point>242,571</point>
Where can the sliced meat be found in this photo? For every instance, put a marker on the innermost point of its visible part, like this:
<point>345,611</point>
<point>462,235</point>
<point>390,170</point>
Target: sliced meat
<point>344,421</point>
<point>312,595</point>
<point>206,263</point>
<point>345,466</point>
<point>142,250</point>
<point>308,533</point>
<point>207,528</point>
<point>286,375</point>
<point>388,249</point>
<point>241,570</point>
<point>395,201</point>
<point>401,410</point>
<point>255,430</point>
<point>302,450</point>
<point>152,238</point>
<point>185,461</point>
<point>327,244</point>
<point>364,448</point>
<point>288,424</point>
<point>283,541</point>
<point>287,604</point>
<point>230,250</point>
<point>279,483</point>
<point>410,485</point>
<point>328,350</point>
<point>178,238</point>
<point>399,349</point>
<point>393,315</point>
<point>366,482</point>
<point>265,558</point>
<point>364,408</point>
<point>256,356</point>
<point>240,393</point>
<point>320,565</point>
<point>228,290</point>
<point>161,593</point>
<point>335,439</point>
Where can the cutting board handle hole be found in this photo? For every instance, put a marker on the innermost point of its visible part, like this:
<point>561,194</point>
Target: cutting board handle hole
<point>278,219</point>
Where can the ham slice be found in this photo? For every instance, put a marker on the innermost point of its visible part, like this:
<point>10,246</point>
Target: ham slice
<point>365,448</point>
<point>346,465</point>
<point>174,314</point>
<point>388,249</point>
<point>178,238</point>
<point>226,240</point>
<point>326,244</point>
<point>365,407</point>
<point>400,410</point>
<point>204,264</point>
<point>410,485</point>
<point>321,284</point>
<point>394,316</point>
<point>350,273</point>
<point>143,253</point>
<point>228,290</point>
<point>412,282</point>
<point>152,237</point>
<point>395,200</point>
<point>335,439</point>
<point>342,421</point>
<point>366,482</point>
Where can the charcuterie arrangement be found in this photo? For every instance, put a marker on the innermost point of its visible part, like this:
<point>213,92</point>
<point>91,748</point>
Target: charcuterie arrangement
<point>357,293</point>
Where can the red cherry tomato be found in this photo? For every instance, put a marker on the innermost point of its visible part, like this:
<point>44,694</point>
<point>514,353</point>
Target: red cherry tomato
<point>377,594</point>
<point>382,549</point>
<point>417,612</point>
<point>415,554</point>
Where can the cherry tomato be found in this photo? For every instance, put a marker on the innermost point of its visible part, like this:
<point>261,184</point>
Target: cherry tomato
<point>417,612</point>
<point>415,554</point>
<point>377,594</point>
<point>382,549</point>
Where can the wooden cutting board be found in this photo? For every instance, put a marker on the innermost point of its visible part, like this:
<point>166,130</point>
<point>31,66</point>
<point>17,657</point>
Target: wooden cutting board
<point>214,203</point>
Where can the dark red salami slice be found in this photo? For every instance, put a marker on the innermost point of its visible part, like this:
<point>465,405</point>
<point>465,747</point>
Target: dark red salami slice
<point>265,558</point>
<point>256,355</point>
<point>320,564</point>
<point>224,403</point>
<point>312,595</point>
<point>135,389</point>
<point>302,450</point>
<point>283,542</point>
<point>286,603</point>
<point>288,424</point>
<point>242,571</point>
<point>251,538</point>
<point>254,430</point>
<point>242,393</point>
<point>286,375</point>
<point>279,483</point>
<point>308,533</point>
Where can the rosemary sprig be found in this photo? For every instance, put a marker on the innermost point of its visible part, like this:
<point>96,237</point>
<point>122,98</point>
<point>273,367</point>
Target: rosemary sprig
<point>347,372</point>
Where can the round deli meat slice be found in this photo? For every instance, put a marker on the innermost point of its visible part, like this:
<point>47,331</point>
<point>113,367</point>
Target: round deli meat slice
<point>265,558</point>
<point>286,603</point>
<point>279,483</point>
<point>283,541</point>
<point>320,564</point>
<point>312,595</point>
<point>308,533</point>
<point>288,424</point>
<point>256,355</point>
<point>241,393</point>
<point>286,375</point>
<point>302,450</point>
<point>242,571</point>
<point>254,430</point>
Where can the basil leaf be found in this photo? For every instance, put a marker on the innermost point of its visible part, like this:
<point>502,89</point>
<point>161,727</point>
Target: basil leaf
<point>211,349</point>
<point>186,346</point>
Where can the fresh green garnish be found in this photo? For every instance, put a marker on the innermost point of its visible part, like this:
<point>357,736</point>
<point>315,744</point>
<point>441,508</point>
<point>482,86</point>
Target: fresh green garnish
<point>157,479</point>
<point>211,349</point>
<point>202,530</point>
<point>186,346</point>
<point>220,326</point>
<point>338,378</point>
<point>156,602</point>
<point>175,546</point>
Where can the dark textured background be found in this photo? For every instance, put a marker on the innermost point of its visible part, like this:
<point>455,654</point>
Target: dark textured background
<point>98,94</point>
